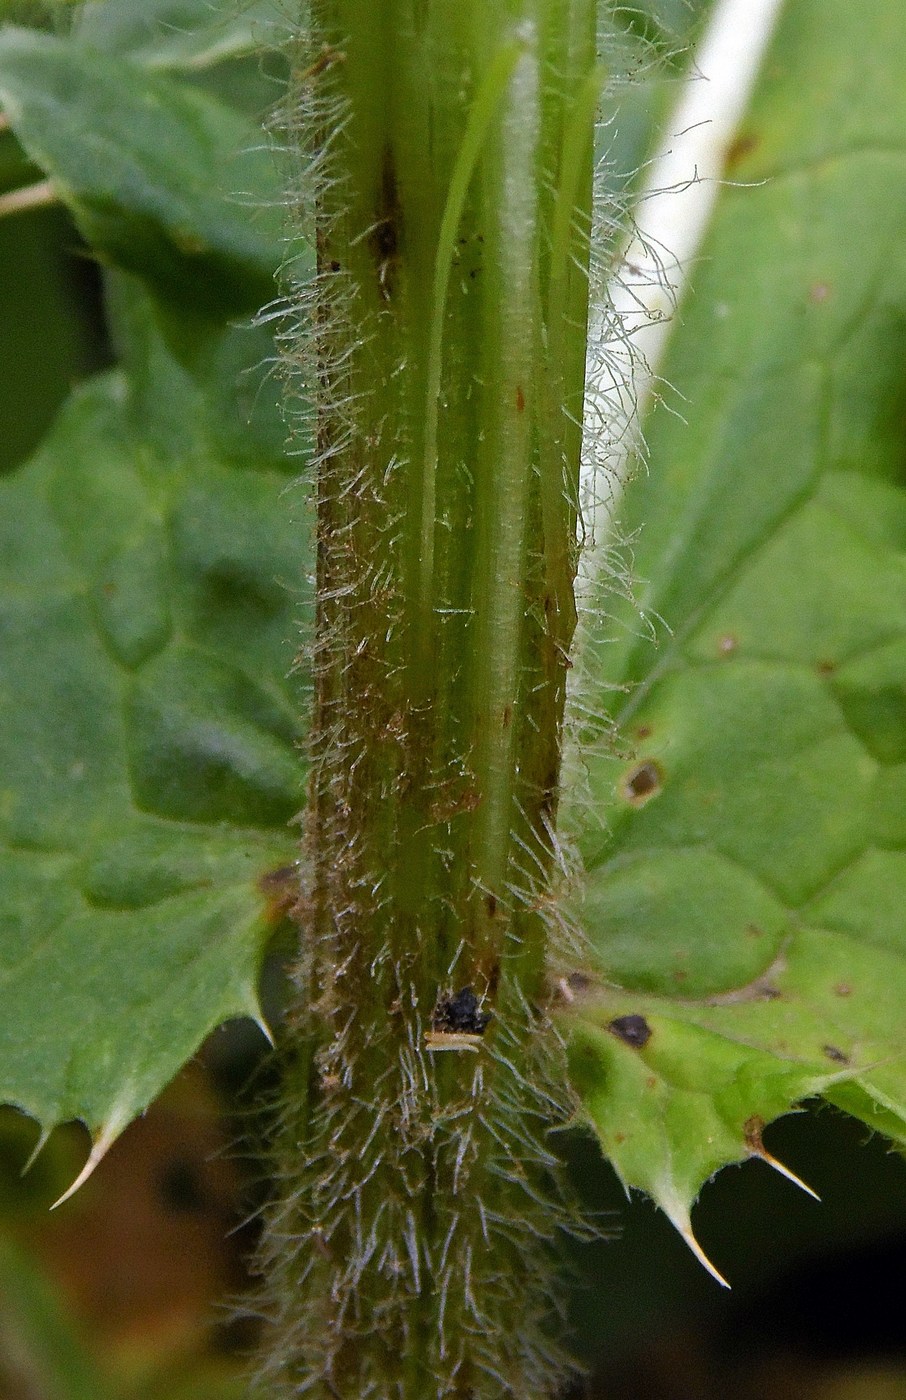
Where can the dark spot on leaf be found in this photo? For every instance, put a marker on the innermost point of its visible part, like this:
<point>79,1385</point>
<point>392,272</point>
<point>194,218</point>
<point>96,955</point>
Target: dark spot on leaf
<point>578,982</point>
<point>743,146</point>
<point>281,889</point>
<point>843,989</point>
<point>680,975</point>
<point>334,266</point>
<point>727,644</point>
<point>819,291</point>
<point>274,881</point>
<point>826,668</point>
<point>619,1138</point>
<point>460,1012</point>
<point>642,782</point>
<point>752,1130</point>
<point>768,993</point>
<point>838,1056</point>
<point>754,931</point>
<point>643,731</point>
<point>632,1030</point>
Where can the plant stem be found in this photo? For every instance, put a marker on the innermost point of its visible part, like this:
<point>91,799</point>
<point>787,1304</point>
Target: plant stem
<point>451,148</point>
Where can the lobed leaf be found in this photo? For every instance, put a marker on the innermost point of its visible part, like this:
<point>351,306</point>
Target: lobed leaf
<point>179,34</point>
<point>151,586</point>
<point>162,180</point>
<point>746,903</point>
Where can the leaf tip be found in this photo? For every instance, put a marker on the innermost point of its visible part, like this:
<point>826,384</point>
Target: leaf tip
<point>99,1149</point>
<point>678,1215</point>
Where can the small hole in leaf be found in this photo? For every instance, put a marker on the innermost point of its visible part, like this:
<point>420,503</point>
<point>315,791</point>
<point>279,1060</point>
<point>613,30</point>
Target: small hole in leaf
<point>643,781</point>
<point>632,1030</point>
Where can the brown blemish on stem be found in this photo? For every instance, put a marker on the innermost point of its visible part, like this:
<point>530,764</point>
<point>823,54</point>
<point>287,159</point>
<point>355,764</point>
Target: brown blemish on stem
<point>385,236</point>
<point>520,399</point>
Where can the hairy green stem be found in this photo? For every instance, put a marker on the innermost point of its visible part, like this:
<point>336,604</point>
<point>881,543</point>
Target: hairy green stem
<point>450,152</point>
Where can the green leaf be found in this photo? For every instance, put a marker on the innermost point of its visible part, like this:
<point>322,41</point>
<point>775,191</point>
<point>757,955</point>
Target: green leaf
<point>746,903</point>
<point>164,181</point>
<point>187,34</point>
<point>151,589</point>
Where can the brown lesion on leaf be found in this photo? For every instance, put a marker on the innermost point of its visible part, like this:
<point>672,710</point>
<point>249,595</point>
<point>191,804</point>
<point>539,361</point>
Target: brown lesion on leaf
<point>572,987</point>
<point>752,1130</point>
<point>746,142</point>
<point>643,781</point>
<point>834,1053</point>
<point>281,890</point>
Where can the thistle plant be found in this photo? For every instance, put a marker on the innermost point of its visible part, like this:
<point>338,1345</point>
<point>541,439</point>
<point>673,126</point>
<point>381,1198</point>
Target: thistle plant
<point>448,194</point>
<point>697,928</point>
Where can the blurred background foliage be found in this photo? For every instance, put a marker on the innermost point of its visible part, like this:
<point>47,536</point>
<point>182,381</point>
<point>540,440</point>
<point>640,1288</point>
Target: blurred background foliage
<point>134,1289</point>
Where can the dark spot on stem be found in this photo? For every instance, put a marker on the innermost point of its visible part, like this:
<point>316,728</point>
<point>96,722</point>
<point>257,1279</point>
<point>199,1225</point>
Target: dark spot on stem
<point>460,1013</point>
<point>490,903</point>
<point>507,716</point>
<point>520,399</point>
<point>835,1054</point>
<point>385,237</point>
<point>632,1030</point>
<point>643,781</point>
